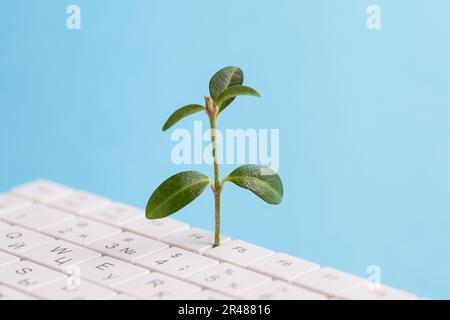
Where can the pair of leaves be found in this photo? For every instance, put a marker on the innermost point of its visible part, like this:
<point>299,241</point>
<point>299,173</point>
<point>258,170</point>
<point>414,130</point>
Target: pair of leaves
<point>224,86</point>
<point>181,189</point>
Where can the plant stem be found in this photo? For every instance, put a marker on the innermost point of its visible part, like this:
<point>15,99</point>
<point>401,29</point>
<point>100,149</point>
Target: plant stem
<point>217,188</point>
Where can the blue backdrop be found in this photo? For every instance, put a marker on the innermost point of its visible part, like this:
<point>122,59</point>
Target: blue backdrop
<point>363,117</point>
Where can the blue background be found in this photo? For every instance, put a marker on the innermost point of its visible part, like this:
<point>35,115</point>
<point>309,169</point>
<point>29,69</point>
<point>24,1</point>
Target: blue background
<point>363,117</point>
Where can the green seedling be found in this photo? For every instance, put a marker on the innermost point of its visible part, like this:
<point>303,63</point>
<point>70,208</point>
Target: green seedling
<point>182,188</point>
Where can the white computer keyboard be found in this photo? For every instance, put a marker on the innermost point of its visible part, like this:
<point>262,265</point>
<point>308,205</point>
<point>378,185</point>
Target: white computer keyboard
<point>61,243</point>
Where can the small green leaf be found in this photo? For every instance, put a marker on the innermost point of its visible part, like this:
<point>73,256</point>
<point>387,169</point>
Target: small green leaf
<point>175,193</point>
<point>181,113</point>
<point>235,91</point>
<point>261,180</point>
<point>223,79</point>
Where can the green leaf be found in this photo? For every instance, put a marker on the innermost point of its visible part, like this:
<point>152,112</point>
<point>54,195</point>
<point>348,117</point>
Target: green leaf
<point>181,113</point>
<point>261,180</point>
<point>223,79</point>
<point>175,193</point>
<point>235,91</point>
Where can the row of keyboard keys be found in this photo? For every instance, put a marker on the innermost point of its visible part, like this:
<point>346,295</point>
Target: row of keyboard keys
<point>74,289</point>
<point>37,217</point>
<point>27,276</point>
<point>79,202</point>
<point>60,255</point>
<point>238,252</point>
<point>42,191</point>
<point>228,279</point>
<point>16,240</point>
<point>127,246</point>
<point>176,262</point>
<point>157,286</point>
<point>281,290</point>
<point>110,272</point>
<point>9,203</point>
<point>196,240</point>
<point>82,231</point>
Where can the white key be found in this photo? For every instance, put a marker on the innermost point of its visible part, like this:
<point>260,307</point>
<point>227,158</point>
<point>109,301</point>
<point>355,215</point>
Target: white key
<point>110,272</point>
<point>157,286</point>
<point>238,252</point>
<point>4,225</point>
<point>78,289</point>
<point>26,275</point>
<point>82,231</point>
<point>371,291</point>
<point>281,290</point>
<point>155,229</point>
<point>176,262</point>
<point>127,246</point>
<point>41,190</point>
<point>7,293</point>
<point>283,266</point>
<point>9,203</point>
<point>208,295</point>
<point>6,258</point>
<point>61,255</point>
<point>80,202</point>
<point>15,240</point>
<point>37,217</point>
<point>229,279</point>
<point>328,281</point>
<point>194,239</point>
<point>116,214</point>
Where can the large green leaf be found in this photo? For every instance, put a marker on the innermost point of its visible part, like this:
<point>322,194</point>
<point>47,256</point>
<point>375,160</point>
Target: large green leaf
<point>224,78</point>
<point>233,92</point>
<point>175,193</point>
<point>261,180</point>
<point>181,113</point>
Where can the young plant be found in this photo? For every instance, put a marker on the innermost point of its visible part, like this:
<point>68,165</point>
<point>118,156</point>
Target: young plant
<point>182,188</point>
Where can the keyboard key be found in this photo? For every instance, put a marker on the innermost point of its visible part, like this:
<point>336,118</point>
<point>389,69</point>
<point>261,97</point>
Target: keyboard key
<point>9,203</point>
<point>369,291</point>
<point>328,281</point>
<point>283,266</point>
<point>208,295</point>
<point>155,229</point>
<point>110,272</point>
<point>194,239</point>
<point>116,214</point>
<point>157,286</point>
<point>176,262</point>
<point>82,231</point>
<point>26,275</point>
<point>61,255</point>
<point>37,217</point>
<point>80,202</point>
<point>6,258</point>
<point>238,252</point>
<point>77,290</point>
<point>127,246</point>
<point>7,293</point>
<point>41,190</point>
<point>281,290</point>
<point>229,279</point>
<point>15,240</point>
